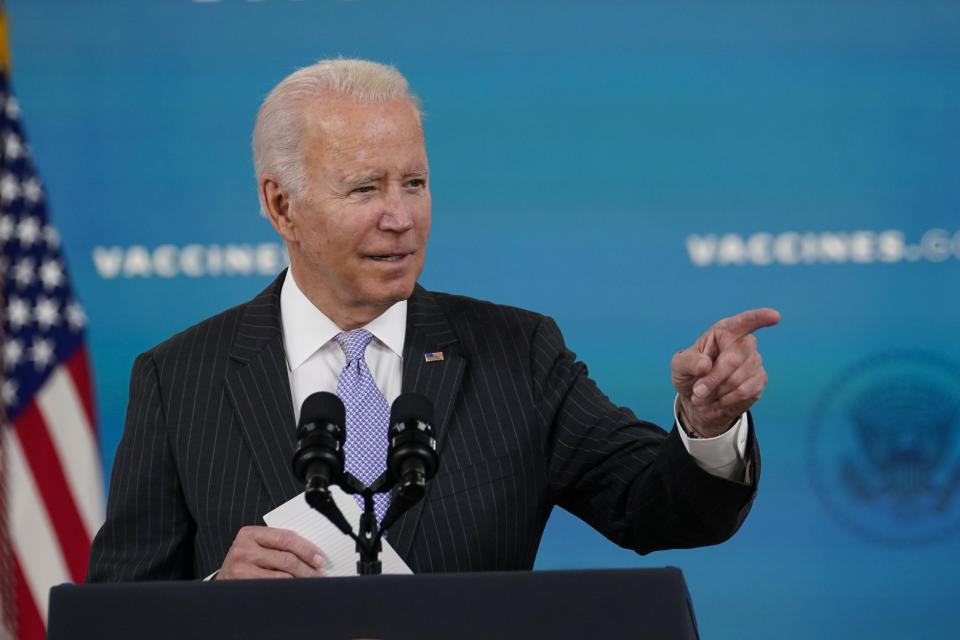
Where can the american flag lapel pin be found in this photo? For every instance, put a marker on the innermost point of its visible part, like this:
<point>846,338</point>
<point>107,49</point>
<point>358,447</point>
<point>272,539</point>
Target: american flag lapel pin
<point>433,356</point>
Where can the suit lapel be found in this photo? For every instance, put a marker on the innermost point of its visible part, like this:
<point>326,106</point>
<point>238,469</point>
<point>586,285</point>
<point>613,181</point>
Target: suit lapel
<point>428,331</point>
<point>258,385</point>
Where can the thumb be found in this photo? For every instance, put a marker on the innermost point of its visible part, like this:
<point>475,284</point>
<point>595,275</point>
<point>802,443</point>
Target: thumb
<point>687,367</point>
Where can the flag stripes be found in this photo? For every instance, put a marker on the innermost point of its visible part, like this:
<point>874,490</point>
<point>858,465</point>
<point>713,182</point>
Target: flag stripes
<point>30,621</point>
<point>79,368</point>
<point>52,460</point>
<point>35,546</point>
<point>63,413</point>
<point>45,469</point>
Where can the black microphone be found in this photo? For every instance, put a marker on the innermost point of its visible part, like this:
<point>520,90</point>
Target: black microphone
<point>318,459</point>
<point>412,454</point>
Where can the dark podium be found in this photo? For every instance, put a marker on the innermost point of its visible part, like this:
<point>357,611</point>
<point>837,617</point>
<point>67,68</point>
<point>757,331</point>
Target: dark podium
<point>622,603</point>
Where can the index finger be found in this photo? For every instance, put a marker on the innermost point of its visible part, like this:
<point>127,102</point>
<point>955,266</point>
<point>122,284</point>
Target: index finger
<point>746,322</point>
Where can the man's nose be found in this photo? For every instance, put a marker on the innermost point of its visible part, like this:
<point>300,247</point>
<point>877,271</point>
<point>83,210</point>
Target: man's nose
<point>396,214</point>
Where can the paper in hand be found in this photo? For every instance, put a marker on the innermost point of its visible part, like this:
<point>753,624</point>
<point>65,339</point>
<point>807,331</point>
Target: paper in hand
<point>338,548</point>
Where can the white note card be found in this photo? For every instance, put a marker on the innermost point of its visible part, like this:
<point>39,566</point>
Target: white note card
<point>339,549</point>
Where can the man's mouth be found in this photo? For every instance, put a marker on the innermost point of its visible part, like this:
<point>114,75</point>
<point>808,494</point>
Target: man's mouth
<point>390,257</point>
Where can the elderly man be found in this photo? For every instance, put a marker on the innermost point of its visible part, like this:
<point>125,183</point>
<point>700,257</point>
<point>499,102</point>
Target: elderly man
<point>344,179</point>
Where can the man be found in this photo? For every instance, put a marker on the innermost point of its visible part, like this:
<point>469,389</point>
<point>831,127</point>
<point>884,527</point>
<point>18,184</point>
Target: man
<point>344,179</point>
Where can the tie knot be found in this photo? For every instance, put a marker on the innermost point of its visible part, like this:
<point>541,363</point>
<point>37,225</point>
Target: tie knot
<point>354,343</point>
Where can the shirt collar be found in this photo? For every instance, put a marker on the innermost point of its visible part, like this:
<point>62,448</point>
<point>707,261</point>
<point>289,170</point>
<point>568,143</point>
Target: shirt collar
<point>307,329</point>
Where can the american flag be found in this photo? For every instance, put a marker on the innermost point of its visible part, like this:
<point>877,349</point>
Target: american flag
<point>51,489</point>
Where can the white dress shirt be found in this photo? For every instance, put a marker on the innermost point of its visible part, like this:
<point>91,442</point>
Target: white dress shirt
<point>314,361</point>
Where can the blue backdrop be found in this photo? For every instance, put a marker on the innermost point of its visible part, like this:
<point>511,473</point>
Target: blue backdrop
<point>637,171</point>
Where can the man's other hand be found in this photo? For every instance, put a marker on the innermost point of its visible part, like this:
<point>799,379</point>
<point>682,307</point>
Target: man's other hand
<point>721,375</point>
<point>266,552</point>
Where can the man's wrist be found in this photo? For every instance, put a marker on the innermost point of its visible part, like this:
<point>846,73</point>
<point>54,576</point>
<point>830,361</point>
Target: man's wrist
<point>723,455</point>
<point>683,423</point>
<point>690,430</point>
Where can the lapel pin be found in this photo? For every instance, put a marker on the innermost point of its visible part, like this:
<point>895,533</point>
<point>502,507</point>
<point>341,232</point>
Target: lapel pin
<point>434,356</point>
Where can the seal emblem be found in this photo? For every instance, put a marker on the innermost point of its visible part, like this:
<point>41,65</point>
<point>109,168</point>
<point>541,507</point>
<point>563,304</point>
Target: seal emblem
<point>883,448</point>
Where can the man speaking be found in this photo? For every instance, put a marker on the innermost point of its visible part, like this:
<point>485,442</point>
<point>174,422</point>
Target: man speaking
<point>344,179</point>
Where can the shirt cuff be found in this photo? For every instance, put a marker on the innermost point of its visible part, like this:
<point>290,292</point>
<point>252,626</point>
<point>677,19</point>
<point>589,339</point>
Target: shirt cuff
<point>721,456</point>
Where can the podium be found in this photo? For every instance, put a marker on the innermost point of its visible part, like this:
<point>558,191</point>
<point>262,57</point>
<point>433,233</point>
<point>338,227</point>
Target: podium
<point>560,605</point>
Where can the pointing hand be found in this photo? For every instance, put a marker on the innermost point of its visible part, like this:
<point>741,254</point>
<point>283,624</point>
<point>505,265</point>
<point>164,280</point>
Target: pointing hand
<point>721,375</point>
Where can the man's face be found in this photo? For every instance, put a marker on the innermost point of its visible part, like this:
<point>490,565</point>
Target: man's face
<point>360,228</point>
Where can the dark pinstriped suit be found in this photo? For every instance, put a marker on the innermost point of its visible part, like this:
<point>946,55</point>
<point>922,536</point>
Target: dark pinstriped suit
<point>520,427</point>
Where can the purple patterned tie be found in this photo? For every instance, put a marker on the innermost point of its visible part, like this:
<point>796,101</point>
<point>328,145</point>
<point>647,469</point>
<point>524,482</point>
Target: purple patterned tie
<point>368,416</point>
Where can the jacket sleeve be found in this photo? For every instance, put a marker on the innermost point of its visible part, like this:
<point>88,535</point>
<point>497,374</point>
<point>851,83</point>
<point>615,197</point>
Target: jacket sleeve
<point>628,478</point>
<point>148,533</point>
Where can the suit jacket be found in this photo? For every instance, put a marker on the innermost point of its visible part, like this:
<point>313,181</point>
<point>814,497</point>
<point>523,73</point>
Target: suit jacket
<point>520,428</point>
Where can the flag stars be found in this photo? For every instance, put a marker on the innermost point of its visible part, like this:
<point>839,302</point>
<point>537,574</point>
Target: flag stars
<point>7,227</point>
<point>41,353</point>
<point>9,188</point>
<point>24,272</point>
<point>47,312</point>
<point>9,392</point>
<point>18,313</point>
<point>12,353</point>
<point>32,190</point>
<point>51,274</point>
<point>76,317</point>
<point>28,230</point>
<point>13,146</point>
<point>12,108</point>
<point>40,319</point>
<point>51,236</point>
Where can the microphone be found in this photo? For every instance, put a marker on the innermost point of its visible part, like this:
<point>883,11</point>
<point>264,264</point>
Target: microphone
<point>318,459</point>
<point>412,454</point>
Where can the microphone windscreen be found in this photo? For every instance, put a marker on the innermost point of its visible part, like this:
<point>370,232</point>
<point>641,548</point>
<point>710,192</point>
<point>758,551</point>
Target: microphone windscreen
<point>413,406</point>
<point>322,406</point>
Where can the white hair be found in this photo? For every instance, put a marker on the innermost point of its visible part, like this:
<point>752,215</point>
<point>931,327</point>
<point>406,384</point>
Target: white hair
<point>278,131</point>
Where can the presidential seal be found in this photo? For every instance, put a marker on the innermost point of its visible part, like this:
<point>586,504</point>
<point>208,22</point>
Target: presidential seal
<point>883,448</point>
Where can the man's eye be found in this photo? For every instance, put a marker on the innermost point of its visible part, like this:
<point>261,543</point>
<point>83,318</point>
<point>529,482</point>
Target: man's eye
<point>417,183</point>
<point>362,190</point>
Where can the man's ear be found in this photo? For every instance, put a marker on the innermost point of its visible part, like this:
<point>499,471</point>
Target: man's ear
<point>276,201</point>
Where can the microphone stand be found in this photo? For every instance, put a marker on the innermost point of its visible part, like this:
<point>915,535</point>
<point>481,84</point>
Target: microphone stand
<point>368,539</point>
<point>369,536</point>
